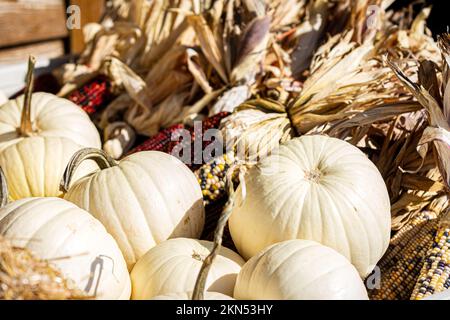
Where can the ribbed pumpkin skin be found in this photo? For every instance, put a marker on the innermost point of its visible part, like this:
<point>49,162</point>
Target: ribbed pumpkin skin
<point>173,266</point>
<point>53,228</point>
<point>299,270</point>
<point>147,198</point>
<point>315,188</point>
<point>188,296</point>
<point>34,166</point>
<point>51,117</point>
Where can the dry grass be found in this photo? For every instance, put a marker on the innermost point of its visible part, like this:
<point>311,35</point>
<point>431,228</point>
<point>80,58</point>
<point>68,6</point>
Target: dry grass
<point>24,277</point>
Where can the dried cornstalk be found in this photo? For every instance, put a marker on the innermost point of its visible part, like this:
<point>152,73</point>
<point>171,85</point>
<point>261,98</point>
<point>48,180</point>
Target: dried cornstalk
<point>433,94</point>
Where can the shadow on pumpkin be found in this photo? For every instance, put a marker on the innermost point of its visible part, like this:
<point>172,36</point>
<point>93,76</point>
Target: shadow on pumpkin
<point>95,275</point>
<point>224,284</point>
<point>185,225</point>
<point>8,136</point>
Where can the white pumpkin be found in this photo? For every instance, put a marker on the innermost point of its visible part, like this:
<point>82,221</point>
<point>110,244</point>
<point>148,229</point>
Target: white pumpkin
<point>49,116</point>
<point>173,266</point>
<point>3,98</point>
<point>146,198</point>
<point>72,240</point>
<point>34,166</point>
<point>299,270</point>
<point>188,296</point>
<point>315,188</point>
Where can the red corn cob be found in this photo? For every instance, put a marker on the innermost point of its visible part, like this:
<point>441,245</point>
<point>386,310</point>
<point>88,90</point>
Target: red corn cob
<point>93,96</point>
<point>159,142</point>
<point>163,140</point>
<point>209,123</point>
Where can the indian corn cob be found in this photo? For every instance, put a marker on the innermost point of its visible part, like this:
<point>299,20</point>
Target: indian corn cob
<point>163,141</point>
<point>401,264</point>
<point>159,142</point>
<point>212,177</point>
<point>198,133</point>
<point>212,214</point>
<point>93,96</point>
<point>435,274</point>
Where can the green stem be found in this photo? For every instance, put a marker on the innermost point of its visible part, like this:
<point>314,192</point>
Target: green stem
<point>3,189</point>
<point>100,157</point>
<point>26,128</point>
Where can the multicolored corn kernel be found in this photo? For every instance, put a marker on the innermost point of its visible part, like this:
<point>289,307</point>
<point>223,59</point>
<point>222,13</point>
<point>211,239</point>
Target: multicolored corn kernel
<point>93,96</point>
<point>212,177</point>
<point>401,264</point>
<point>435,274</point>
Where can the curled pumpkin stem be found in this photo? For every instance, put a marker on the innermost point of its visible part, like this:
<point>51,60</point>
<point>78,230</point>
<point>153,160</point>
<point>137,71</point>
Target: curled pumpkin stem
<point>3,189</point>
<point>100,157</point>
<point>26,128</point>
<point>199,289</point>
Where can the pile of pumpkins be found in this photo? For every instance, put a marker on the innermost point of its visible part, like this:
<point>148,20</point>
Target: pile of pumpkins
<point>313,222</point>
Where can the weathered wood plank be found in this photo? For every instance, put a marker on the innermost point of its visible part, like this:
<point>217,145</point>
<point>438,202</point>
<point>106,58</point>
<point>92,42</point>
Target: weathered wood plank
<point>27,21</point>
<point>49,50</point>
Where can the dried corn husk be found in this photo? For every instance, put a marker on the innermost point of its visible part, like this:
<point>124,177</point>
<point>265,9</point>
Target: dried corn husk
<point>157,52</point>
<point>119,138</point>
<point>309,33</point>
<point>253,133</point>
<point>433,96</point>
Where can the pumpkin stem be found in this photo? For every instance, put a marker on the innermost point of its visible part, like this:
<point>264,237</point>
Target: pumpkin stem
<point>100,157</point>
<point>26,128</point>
<point>3,189</point>
<point>199,289</point>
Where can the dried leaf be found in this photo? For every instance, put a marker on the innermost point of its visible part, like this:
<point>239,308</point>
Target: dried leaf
<point>428,79</point>
<point>439,130</point>
<point>209,45</point>
<point>416,182</point>
<point>133,84</point>
<point>377,114</point>
<point>256,7</point>
<point>251,50</point>
<point>441,140</point>
<point>231,99</point>
<point>165,114</point>
<point>309,33</point>
<point>195,68</point>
